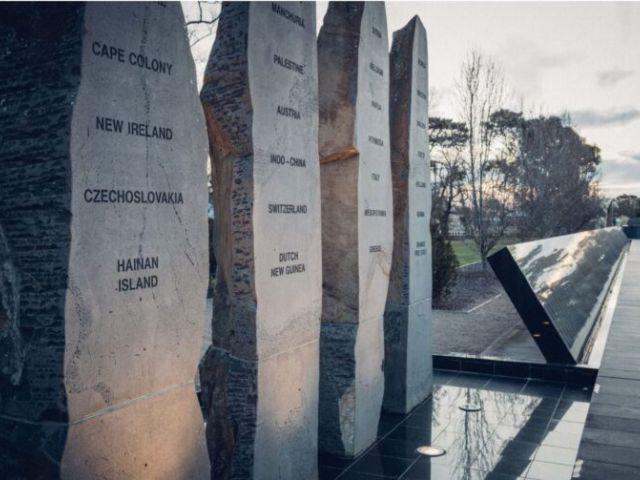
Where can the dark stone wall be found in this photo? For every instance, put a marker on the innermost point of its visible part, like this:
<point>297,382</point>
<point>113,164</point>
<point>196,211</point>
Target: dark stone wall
<point>228,373</point>
<point>396,315</point>
<point>337,373</point>
<point>230,405</point>
<point>227,106</point>
<point>338,43</point>
<point>401,86</point>
<point>40,54</point>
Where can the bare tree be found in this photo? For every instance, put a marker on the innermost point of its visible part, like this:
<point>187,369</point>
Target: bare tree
<point>200,19</point>
<point>201,22</point>
<point>481,92</point>
<point>447,140</point>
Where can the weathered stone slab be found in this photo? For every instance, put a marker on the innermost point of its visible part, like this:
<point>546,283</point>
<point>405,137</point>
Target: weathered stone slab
<point>104,247</point>
<point>407,325</point>
<point>260,377</point>
<point>356,221</point>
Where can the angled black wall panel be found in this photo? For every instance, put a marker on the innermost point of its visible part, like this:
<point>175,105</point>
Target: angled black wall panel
<point>558,286</point>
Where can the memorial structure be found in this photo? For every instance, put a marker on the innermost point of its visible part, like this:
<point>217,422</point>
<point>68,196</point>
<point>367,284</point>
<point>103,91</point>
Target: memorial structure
<point>357,230</point>
<point>632,229</point>
<point>559,284</point>
<point>407,321</point>
<point>260,376</point>
<point>103,243</point>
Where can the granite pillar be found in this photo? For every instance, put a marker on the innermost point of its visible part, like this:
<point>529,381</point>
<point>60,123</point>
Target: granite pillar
<point>357,231</point>
<point>260,376</point>
<point>103,243</point>
<point>407,322</point>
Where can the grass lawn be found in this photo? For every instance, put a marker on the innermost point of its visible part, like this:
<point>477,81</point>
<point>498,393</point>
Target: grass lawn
<point>466,251</point>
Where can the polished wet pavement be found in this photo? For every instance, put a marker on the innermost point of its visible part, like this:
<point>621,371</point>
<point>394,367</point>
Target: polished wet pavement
<point>525,429</point>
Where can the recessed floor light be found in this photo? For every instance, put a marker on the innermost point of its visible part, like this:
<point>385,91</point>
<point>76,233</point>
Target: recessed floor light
<point>430,451</point>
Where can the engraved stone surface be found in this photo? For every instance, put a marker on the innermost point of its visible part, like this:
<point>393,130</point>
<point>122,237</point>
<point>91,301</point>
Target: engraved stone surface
<point>103,243</point>
<point>260,376</point>
<point>357,230</point>
<point>407,324</point>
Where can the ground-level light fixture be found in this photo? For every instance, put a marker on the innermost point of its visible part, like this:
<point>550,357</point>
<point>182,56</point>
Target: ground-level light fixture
<point>431,451</point>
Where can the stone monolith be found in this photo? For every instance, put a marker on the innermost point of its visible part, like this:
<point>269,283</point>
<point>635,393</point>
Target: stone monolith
<point>407,322</point>
<point>357,235</point>
<point>103,198</point>
<point>260,376</point>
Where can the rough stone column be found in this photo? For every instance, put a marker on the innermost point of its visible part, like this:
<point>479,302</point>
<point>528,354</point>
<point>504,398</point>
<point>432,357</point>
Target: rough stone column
<point>407,324</point>
<point>103,243</point>
<point>357,230</point>
<point>260,376</point>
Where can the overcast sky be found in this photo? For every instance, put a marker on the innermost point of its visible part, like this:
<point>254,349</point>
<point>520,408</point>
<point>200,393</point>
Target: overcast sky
<point>583,58</point>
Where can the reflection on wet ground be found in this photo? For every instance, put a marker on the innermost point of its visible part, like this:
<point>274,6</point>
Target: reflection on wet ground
<point>523,430</point>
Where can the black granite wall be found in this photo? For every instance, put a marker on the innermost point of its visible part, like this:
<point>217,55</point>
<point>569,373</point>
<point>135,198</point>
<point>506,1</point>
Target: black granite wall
<point>40,53</point>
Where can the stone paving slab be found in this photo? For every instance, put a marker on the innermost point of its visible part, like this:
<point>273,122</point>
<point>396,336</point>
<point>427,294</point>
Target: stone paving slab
<point>489,328</point>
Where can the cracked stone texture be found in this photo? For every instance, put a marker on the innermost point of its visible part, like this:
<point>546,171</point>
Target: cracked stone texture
<point>407,325</point>
<point>96,382</point>
<point>357,231</point>
<point>260,375</point>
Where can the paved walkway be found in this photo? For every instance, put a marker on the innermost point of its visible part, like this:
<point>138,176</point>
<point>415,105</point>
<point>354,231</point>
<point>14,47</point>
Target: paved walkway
<point>610,446</point>
<point>491,328</point>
